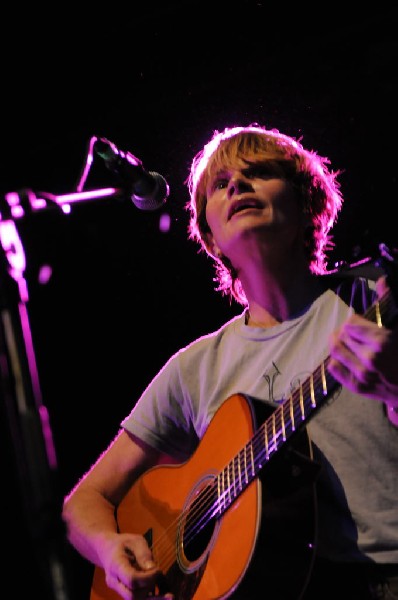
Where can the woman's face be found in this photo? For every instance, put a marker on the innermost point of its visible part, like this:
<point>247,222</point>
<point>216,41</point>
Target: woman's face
<point>248,202</point>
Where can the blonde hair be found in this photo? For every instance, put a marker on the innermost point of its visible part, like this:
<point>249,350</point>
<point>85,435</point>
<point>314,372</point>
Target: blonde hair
<point>316,185</point>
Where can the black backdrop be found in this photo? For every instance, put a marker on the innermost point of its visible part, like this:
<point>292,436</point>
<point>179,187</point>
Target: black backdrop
<point>157,80</point>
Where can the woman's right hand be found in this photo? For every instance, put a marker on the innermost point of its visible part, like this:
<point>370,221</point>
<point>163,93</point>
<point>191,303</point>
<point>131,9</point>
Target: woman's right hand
<point>129,566</point>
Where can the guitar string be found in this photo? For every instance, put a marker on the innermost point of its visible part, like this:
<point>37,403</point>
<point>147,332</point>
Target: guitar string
<point>191,521</point>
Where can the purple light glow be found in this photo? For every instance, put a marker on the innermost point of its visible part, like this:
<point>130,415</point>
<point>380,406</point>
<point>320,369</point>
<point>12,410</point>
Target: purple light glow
<point>45,274</point>
<point>164,223</point>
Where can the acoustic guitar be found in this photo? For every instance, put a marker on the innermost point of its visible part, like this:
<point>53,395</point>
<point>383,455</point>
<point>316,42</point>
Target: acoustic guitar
<point>240,514</point>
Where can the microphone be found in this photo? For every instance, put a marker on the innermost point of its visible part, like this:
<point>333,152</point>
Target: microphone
<point>149,190</point>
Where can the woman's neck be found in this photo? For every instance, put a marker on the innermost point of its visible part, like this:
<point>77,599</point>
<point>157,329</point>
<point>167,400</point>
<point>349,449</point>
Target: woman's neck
<point>273,300</point>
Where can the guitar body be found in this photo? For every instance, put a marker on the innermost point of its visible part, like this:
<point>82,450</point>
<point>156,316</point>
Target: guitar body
<point>265,538</point>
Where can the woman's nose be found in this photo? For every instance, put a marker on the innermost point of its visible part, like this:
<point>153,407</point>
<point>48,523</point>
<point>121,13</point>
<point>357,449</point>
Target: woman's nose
<point>238,184</point>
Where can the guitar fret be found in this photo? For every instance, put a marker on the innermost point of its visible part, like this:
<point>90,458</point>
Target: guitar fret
<point>274,429</point>
<point>240,473</point>
<point>378,314</point>
<point>323,379</point>
<point>245,459</point>
<point>283,424</point>
<point>229,483</point>
<point>236,476</point>
<point>225,488</point>
<point>266,441</point>
<point>270,435</point>
<point>252,459</point>
<point>220,491</point>
<point>292,420</point>
<point>302,403</point>
<point>313,402</point>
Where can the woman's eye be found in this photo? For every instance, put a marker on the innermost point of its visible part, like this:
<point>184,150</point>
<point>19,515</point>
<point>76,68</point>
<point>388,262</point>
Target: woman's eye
<point>220,184</point>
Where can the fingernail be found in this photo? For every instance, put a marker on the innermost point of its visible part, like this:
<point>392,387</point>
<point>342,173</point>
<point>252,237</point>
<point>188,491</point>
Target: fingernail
<point>149,564</point>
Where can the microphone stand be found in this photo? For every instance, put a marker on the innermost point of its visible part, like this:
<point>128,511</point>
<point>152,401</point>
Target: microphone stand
<point>19,380</point>
<point>21,393</point>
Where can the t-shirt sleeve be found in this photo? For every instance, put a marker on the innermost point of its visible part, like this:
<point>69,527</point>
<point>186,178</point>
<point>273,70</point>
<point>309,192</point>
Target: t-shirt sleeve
<point>162,416</point>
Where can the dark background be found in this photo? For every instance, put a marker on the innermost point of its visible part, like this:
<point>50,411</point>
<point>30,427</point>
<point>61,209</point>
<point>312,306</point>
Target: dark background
<point>123,296</point>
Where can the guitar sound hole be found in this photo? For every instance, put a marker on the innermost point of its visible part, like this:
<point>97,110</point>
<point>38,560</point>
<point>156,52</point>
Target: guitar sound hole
<point>199,524</point>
